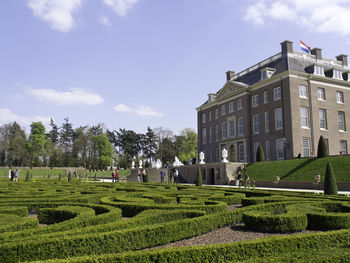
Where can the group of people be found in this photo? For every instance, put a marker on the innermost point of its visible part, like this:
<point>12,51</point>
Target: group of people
<point>141,175</point>
<point>173,173</point>
<point>115,176</point>
<point>13,175</point>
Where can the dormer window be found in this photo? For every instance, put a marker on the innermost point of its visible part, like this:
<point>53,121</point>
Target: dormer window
<point>267,73</point>
<point>211,97</point>
<point>318,70</point>
<point>337,74</point>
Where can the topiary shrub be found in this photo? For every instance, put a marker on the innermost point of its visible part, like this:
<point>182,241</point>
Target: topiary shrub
<point>28,176</point>
<point>59,177</point>
<point>260,156</point>
<point>322,149</point>
<point>330,184</point>
<point>147,176</point>
<point>199,177</point>
<point>69,176</point>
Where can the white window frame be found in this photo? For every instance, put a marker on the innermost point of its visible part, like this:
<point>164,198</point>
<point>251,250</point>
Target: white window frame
<point>322,113</point>
<point>340,97</point>
<point>223,109</point>
<point>240,126</point>
<point>278,119</point>
<point>319,71</point>
<point>232,129</point>
<point>267,123</point>
<point>321,94</point>
<point>341,121</point>
<point>266,97</point>
<point>305,143</point>
<point>224,130</point>
<point>280,149</point>
<point>277,93</point>
<point>255,101</point>
<point>256,122</point>
<point>304,118</point>
<point>337,74</point>
<point>302,91</point>
<point>231,107</point>
<point>343,147</point>
<point>240,104</point>
<point>241,152</point>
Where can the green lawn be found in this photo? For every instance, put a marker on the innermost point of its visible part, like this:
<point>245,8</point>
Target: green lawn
<point>300,169</point>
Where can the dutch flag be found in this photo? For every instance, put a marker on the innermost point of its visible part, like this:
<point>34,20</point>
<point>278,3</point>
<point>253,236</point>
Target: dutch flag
<point>305,47</point>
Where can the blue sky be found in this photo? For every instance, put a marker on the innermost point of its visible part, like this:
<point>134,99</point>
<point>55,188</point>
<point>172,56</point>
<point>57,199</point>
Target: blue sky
<point>137,63</point>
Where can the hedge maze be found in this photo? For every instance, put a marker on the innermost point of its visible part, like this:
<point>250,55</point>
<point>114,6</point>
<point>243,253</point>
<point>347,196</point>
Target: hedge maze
<point>121,222</point>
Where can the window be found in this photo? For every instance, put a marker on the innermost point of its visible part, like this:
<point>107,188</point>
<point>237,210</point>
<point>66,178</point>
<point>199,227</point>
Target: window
<point>340,97</point>
<point>239,104</point>
<point>263,75</point>
<point>204,136</point>
<point>255,100</point>
<point>277,93</point>
<point>319,71</point>
<point>278,119</point>
<point>204,118</point>
<point>240,127</point>
<point>241,152</point>
<point>216,114</point>
<point>306,147</point>
<point>321,94</point>
<point>341,121</point>
<point>224,130</point>
<point>280,149</point>
<point>323,119</point>
<point>232,128</point>
<point>216,132</point>
<point>223,109</point>
<point>343,147</point>
<point>267,151</point>
<point>337,74</point>
<point>267,121</point>
<point>210,117</point>
<point>256,123</point>
<point>266,97</point>
<point>231,107</point>
<point>304,113</point>
<point>256,145</point>
<point>210,134</point>
<point>302,91</point>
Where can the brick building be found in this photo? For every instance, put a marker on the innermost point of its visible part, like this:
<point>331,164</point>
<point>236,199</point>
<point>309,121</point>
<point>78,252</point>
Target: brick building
<point>284,103</point>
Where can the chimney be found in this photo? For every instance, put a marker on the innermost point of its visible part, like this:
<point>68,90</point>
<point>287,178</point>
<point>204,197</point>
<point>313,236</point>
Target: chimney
<point>344,59</point>
<point>287,47</point>
<point>229,75</point>
<point>317,52</point>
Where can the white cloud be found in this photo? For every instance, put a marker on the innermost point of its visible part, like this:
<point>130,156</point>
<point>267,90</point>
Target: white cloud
<point>140,110</point>
<point>58,13</point>
<point>75,96</point>
<point>103,20</point>
<point>122,108</point>
<point>317,15</point>
<point>121,7</point>
<point>7,116</point>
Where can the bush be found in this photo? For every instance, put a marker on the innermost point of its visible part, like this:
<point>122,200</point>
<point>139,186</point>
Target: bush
<point>147,176</point>
<point>69,176</point>
<point>260,156</point>
<point>28,176</point>
<point>330,184</point>
<point>322,150</point>
<point>199,177</point>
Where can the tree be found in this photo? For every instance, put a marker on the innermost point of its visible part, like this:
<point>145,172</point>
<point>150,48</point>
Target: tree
<point>17,154</point>
<point>36,143</point>
<point>149,143</point>
<point>147,177</point>
<point>128,143</point>
<point>187,143</point>
<point>166,150</point>
<point>322,149</point>
<point>104,151</point>
<point>330,184</point>
<point>66,141</point>
<point>199,177</point>
<point>28,176</point>
<point>260,157</point>
<point>80,146</point>
<point>53,134</point>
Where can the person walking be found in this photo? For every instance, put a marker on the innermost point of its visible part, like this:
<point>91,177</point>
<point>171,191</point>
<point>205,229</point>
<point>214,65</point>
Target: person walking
<point>116,176</point>
<point>144,175</point>
<point>139,174</point>
<point>176,174</point>
<point>16,175</point>
<point>162,175</point>
<point>12,175</point>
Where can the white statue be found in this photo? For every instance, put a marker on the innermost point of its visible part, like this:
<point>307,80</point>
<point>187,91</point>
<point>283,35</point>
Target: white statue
<point>140,164</point>
<point>177,162</point>
<point>201,158</point>
<point>224,156</point>
<point>132,165</point>
<point>158,164</point>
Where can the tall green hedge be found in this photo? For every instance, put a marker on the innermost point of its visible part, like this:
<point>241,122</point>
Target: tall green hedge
<point>330,184</point>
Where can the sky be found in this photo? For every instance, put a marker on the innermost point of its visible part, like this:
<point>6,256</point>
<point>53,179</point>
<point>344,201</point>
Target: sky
<point>138,63</point>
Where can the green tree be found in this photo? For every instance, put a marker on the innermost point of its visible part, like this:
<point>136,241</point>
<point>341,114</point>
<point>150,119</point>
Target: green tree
<point>104,151</point>
<point>330,184</point>
<point>70,176</point>
<point>149,143</point>
<point>36,143</point>
<point>80,146</point>
<point>17,154</point>
<point>322,149</point>
<point>28,176</point>
<point>66,141</point>
<point>260,156</point>
<point>199,177</point>
<point>128,143</point>
<point>147,176</point>
<point>187,143</point>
